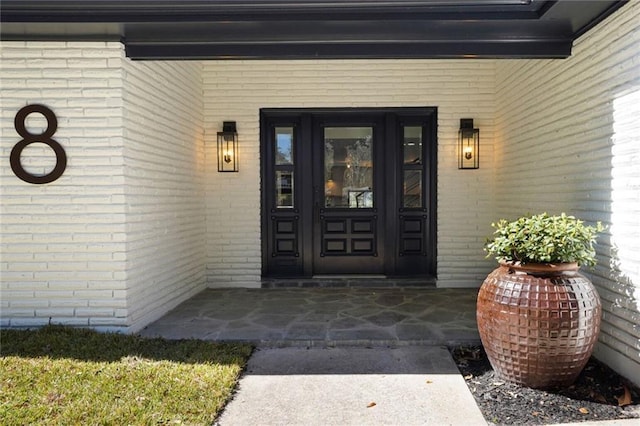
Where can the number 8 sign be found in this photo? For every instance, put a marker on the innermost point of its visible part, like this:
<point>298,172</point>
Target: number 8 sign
<point>29,138</point>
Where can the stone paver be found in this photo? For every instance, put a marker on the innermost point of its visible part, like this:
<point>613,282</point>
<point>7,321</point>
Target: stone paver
<point>325,317</point>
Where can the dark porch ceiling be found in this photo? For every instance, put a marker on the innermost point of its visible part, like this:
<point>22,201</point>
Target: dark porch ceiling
<point>300,29</point>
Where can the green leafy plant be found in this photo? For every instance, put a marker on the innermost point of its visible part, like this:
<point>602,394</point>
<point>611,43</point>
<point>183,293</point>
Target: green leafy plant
<point>544,239</point>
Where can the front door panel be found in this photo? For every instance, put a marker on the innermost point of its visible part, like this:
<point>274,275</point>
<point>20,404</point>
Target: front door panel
<point>347,230</point>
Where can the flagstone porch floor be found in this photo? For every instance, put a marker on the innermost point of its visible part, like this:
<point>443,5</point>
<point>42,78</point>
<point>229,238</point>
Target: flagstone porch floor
<point>325,317</point>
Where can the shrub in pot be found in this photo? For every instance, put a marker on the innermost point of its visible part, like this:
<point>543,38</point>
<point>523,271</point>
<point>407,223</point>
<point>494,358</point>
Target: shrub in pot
<point>538,317</point>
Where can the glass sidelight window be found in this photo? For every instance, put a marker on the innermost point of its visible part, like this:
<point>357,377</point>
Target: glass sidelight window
<point>284,164</point>
<point>412,167</point>
<point>348,167</point>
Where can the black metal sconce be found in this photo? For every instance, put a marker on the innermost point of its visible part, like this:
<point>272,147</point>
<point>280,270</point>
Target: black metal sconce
<point>468,145</point>
<point>228,147</point>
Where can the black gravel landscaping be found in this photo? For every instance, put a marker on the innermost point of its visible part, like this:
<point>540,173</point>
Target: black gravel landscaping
<point>599,393</point>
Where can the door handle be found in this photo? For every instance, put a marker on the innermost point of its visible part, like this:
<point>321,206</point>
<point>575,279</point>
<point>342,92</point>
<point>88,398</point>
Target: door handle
<point>316,196</point>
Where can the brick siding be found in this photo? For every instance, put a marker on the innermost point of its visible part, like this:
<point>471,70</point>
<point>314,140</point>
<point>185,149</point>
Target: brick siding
<point>164,186</point>
<point>119,239</point>
<point>567,140</point>
<point>64,243</point>
<point>236,90</point>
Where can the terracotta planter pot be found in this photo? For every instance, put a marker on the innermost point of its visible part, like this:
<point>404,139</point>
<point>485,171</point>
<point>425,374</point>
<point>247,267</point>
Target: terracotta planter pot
<point>538,331</point>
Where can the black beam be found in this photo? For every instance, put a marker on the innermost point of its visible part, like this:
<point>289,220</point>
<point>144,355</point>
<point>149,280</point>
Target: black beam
<point>418,31</point>
<point>553,50</point>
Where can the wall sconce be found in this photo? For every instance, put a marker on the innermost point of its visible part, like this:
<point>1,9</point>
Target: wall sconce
<point>228,147</point>
<point>468,145</point>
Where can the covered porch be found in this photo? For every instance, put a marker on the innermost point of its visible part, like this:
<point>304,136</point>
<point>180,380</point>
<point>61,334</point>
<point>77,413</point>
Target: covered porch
<point>142,229</point>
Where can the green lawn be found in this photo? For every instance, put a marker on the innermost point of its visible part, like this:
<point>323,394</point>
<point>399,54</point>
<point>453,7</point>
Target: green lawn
<point>61,375</point>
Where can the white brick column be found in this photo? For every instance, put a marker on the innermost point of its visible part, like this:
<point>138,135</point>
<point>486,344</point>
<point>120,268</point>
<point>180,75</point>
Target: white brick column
<point>118,239</point>
<point>64,243</point>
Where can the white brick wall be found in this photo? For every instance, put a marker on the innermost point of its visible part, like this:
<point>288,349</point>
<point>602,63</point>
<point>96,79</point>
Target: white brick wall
<point>119,239</point>
<point>63,244</point>
<point>236,90</point>
<point>567,140</point>
<point>164,186</point>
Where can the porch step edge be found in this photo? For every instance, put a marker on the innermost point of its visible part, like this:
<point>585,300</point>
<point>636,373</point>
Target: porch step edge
<point>358,343</point>
<point>344,282</point>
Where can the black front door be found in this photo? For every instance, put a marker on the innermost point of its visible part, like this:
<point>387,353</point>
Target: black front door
<point>348,186</point>
<point>348,191</point>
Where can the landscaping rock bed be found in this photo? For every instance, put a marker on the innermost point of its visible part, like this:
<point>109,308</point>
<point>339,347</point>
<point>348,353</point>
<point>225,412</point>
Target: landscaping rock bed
<point>599,393</point>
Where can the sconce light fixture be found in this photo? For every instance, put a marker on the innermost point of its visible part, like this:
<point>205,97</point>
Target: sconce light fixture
<point>228,147</point>
<point>468,145</point>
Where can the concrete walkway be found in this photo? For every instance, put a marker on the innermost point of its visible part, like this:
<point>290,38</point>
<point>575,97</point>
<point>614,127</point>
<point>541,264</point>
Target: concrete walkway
<point>352,386</point>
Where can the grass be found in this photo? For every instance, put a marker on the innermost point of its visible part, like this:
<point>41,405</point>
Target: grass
<point>61,375</point>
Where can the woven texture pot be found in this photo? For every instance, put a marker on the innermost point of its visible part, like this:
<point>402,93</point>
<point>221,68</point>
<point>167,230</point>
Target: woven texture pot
<point>538,331</point>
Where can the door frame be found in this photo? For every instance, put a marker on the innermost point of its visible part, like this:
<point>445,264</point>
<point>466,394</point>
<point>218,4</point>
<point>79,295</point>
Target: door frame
<point>298,262</point>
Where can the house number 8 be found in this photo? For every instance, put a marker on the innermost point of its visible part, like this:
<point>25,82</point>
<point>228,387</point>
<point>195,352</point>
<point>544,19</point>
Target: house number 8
<point>29,138</point>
